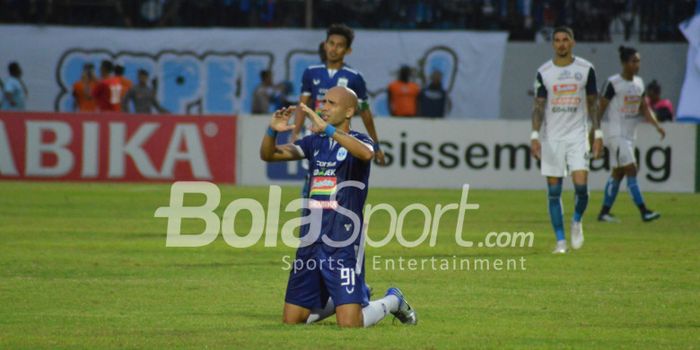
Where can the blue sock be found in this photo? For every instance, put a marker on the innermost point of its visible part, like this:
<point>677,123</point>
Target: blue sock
<point>611,189</point>
<point>633,187</point>
<point>555,210</point>
<point>581,199</point>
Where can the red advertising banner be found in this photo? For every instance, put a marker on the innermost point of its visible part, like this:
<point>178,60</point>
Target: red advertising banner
<point>117,147</point>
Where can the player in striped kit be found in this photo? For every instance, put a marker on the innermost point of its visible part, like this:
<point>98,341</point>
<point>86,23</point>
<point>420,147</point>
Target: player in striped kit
<point>625,107</point>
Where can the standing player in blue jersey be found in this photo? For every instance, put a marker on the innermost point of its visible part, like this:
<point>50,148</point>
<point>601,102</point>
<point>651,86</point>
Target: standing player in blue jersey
<point>318,79</point>
<point>339,162</point>
<point>623,103</point>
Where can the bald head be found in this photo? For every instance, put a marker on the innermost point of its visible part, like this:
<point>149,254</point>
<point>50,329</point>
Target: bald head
<point>344,96</point>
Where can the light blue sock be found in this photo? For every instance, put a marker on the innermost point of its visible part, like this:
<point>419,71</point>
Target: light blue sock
<point>581,199</point>
<point>633,187</point>
<point>556,214</point>
<point>611,189</point>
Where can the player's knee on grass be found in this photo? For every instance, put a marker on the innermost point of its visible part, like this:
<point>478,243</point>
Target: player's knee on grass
<point>349,315</point>
<point>294,314</point>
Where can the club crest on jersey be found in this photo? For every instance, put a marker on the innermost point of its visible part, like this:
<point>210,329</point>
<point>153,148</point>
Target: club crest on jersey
<point>578,76</point>
<point>343,82</point>
<point>342,154</point>
<point>317,81</point>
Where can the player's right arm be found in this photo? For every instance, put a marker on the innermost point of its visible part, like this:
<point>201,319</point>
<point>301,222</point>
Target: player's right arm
<point>651,117</point>
<point>538,108</point>
<point>269,150</point>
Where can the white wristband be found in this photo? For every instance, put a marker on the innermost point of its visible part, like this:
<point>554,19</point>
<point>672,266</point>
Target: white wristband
<point>598,134</point>
<point>535,135</point>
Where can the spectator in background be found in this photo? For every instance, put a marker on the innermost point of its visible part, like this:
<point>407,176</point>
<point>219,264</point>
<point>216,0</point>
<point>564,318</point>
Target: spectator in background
<point>142,96</point>
<point>126,83</point>
<point>286,97</point>
<point>108,91</point>
<point>14,91</point>
<point>662,107</point>
<point>82,90</point>
<point>433,98</point>
<point>403,94</point>
<point>264,94</point>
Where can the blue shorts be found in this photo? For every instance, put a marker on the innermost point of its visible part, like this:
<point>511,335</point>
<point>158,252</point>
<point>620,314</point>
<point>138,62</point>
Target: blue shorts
<point>320,271</point>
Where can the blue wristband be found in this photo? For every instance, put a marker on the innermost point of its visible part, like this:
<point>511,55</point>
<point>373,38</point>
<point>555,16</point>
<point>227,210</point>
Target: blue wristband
<point>330,130</point>
<point>376,147</point>
<point>271,132</point>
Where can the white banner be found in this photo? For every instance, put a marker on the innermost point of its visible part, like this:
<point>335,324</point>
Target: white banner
<point>214,71</point>
<point>484,154</point>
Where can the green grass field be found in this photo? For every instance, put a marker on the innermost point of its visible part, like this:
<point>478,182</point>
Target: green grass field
<point>86,266</point>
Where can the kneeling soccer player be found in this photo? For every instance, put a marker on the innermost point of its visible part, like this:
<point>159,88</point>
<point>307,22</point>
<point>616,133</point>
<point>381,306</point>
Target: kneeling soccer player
<point>331,251</point>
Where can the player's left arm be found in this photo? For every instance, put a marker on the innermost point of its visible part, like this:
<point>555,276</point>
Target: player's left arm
<point>594,113</point>
<point>357,148</point>
<point>269,150</point>
<point>651,117</point>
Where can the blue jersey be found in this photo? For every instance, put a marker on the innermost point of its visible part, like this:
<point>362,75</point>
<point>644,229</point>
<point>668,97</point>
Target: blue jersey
<point>330,167</point>
<point>14,88</point>
<point>318,79</point>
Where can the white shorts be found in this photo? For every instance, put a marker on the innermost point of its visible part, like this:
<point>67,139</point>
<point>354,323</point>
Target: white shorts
<point>559,158</point>
<point>621,150</point>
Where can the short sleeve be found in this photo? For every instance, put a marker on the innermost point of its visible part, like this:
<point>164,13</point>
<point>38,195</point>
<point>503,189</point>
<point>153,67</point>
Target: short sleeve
<point>540,89</point>
<point>366,140</point>
<point>305,146</point>
<point>360,88</point>
<point>591,85</point>
<point>609,90</point>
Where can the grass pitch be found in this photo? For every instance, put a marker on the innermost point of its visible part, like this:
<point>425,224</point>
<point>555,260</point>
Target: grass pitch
<point>86,266</point>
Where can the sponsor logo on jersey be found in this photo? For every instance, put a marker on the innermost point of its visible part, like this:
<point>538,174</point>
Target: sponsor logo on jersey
<point>324,172</point>
<point>330,205</point>
<point>564,75</point>
<point>578,76</point>
<point>632,99</point>
<point>630,105</point>
<point>323,185</point>
<point>317,81</point>
<point>565,89</point>
<point>566,101</point>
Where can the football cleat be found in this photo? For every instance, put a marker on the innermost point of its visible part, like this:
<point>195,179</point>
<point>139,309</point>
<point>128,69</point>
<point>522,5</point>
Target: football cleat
<point>576,235</point>
<point>405,313</point>
<point>650,216</point>
<point>608,218</point>
<point>560,248</point>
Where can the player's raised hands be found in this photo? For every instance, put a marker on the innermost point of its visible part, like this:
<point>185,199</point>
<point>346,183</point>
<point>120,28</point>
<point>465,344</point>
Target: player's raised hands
<point>280,120</point>
<point>317,123</point>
